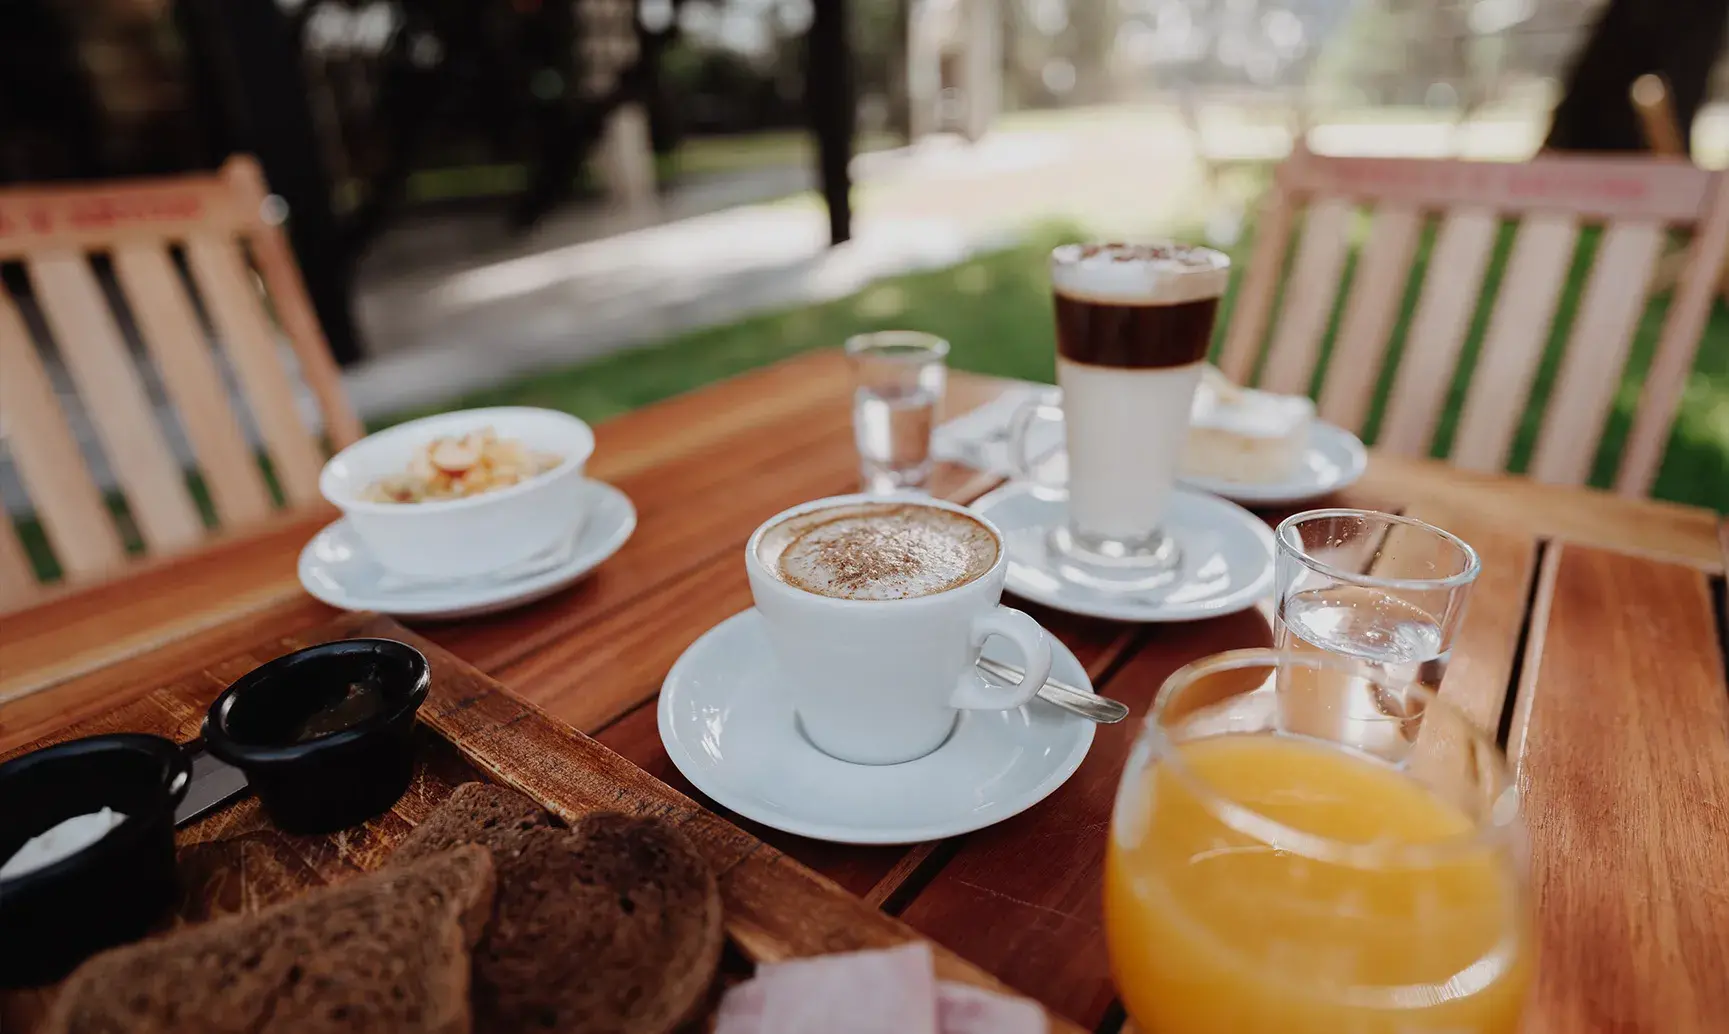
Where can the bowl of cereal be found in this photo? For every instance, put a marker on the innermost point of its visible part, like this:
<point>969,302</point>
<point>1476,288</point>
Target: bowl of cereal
<point>464,493</point>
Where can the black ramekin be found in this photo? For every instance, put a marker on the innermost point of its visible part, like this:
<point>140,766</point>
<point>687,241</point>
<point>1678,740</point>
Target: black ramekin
<point>337,780</point>
<point>112,890</point>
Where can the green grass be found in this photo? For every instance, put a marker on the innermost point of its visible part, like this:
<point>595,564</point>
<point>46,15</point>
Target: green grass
<point>995,312</point>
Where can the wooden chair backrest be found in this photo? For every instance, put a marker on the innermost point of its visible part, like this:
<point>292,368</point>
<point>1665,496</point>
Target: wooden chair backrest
<point>1637,200</point>
<point>221,222</point>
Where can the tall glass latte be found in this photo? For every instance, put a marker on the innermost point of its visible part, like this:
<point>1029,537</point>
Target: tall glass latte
<point>1134,322</point>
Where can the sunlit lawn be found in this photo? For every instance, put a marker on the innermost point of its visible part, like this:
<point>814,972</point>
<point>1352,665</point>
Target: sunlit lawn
<point>995,311</point>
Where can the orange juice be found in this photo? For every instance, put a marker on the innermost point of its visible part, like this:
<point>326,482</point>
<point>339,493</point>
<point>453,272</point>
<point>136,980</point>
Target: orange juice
<point>1212,929</point>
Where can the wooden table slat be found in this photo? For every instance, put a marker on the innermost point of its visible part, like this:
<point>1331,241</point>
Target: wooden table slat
<point>1516,504</point>
<point>1485,654</point>
<point>1623,740</point>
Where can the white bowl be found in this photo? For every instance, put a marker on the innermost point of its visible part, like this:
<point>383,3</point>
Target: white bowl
<point>456,538</point>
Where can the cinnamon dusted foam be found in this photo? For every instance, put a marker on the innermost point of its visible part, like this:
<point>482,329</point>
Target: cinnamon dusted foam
<point>878,551</point>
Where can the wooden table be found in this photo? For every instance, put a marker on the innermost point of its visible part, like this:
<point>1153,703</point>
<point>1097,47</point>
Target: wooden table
<point>1593,643</point>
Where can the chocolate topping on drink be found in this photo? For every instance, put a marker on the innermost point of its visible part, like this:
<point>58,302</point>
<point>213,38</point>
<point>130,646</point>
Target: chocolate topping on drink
<point>1137,306</point>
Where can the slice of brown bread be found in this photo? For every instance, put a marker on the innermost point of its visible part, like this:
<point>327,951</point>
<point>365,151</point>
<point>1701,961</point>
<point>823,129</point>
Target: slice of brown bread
<point>474,813</point>
<point>384,953</point>
<point>613,927</point>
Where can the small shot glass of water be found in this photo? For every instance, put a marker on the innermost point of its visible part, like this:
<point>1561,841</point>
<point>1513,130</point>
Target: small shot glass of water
<point>900,376</point>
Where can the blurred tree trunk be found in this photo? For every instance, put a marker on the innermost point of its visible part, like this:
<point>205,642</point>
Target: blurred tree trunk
<point>1094,24</point>
<point>1679,39</point>
<point>832,108</point>
<point>246,57</point>
<point>900,105</point>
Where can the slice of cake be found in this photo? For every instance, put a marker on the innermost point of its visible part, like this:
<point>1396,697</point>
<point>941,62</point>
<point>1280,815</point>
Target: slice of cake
<point>1244,435</point>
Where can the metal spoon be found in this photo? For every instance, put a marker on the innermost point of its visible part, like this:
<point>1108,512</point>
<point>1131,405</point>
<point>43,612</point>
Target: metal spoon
<point>1090,706</point>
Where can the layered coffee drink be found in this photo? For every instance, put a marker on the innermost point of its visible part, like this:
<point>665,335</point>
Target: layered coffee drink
<point>1134,322</point>
<point>878,551</point>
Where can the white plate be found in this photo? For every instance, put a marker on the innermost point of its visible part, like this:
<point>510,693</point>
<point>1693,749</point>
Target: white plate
<point>336,568</point>
<point>729,729</point>
<point>1335,459</point>
<point>1227,558</point>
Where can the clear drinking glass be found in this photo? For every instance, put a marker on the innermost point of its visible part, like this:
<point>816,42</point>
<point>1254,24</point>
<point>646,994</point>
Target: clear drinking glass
<point>1362,874</point>
<point>1387,590</point>
<point>900,376</point>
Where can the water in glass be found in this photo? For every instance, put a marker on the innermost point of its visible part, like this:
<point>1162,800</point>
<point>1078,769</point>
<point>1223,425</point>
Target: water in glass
<point>900,381</point>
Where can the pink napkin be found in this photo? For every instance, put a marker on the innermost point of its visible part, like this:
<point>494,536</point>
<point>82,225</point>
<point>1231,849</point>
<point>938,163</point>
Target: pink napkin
<point>892,991</point>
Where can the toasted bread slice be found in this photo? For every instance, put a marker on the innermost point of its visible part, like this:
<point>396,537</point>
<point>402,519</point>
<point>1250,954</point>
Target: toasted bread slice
<point>474,813</point>
<point>384,953</point>
<point>613,927</point>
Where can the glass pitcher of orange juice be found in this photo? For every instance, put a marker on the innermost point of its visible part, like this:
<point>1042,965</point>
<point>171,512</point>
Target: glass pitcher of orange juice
<point>1351,864</point>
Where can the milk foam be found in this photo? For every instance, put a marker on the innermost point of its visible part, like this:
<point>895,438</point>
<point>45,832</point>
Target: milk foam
<point>878,551</point>
<point>1140,274</point>
<point>1125,431</point>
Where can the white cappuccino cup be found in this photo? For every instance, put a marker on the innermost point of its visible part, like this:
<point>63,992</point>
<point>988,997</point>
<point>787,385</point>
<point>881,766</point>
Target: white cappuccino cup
<point>876,638</point>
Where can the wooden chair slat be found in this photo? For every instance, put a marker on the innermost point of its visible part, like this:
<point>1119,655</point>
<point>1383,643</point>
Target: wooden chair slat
<point>282,280</point>
<point>1309,297</point>
<point>1450,290</point>
<point>17,576</point>
<point>1370,312</point>
<point>1260,283</point>
<point>1615,297</point>
<point>1595,188</point>
<point>91,216</point>
<point>233,302</point>
<point>49,464</point>
<point>1689,310</point>
<point>114,397</point>
<point>1513,346</point>
<point>182,353</point>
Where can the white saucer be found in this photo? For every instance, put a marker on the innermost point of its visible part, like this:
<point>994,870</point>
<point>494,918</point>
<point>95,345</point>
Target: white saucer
<point>335,567</point>
<point>732,732</point>
<point>1335,459</point>
<point>1227,558</point>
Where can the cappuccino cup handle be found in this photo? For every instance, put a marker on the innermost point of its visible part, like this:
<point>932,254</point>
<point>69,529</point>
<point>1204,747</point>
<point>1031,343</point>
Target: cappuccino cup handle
<point>1026,468</point>
<point>976,694</point>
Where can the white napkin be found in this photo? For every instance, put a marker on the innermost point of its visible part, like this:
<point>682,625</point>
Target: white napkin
<point>980,438</point>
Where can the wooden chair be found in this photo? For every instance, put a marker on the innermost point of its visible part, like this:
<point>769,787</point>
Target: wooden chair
<point>250,290</point>
<point>1638,200</point>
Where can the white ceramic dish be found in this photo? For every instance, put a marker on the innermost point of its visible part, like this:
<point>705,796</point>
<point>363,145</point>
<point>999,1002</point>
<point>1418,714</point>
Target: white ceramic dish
<point>731,730</point>
<point>457,537</point>
<point>337,567</point>
<point>1335,459</point>
<point>1227,558</point>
